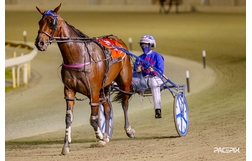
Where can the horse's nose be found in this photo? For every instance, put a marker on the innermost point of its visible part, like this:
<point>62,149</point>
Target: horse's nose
<point>41,43</point>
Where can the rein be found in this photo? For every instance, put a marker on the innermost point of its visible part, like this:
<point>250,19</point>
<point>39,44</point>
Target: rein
<point>55,25</point>
<point>81,39</point>
<point>70,39</point>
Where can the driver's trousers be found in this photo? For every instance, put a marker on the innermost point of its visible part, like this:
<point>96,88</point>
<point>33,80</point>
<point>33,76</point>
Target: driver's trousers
<point>154,83</point>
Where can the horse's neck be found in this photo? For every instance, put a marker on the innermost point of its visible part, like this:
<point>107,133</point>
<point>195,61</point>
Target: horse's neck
<point>77,32</point>
<point>71,52</point>
<point>67,31</point>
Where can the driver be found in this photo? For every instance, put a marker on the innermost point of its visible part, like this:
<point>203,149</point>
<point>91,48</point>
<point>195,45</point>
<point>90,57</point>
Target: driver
<point>148,44</point>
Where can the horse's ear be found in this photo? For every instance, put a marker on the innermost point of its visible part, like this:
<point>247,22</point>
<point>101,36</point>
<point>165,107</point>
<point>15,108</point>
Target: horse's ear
<point>57,8</point>
<point>40,11</point>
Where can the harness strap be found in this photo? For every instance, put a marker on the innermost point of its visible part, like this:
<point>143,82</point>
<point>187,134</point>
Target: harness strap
<point>115,61</point>
<point>102,100</point>
<point>76,65</point>
<point>74,98</point>
<point>69,98</point>
<point>94,104</point>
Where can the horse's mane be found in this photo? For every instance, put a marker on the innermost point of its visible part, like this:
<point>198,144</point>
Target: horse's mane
<point>78,32</point>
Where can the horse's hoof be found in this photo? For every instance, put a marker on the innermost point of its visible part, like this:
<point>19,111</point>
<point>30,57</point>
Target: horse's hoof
<point>105,137</point>
<point>130,132</point>
<point>106,140</point>
<point>65,151</point>
<point>100,144</point>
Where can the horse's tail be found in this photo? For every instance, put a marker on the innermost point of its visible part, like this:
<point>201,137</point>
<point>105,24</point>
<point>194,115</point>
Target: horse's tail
<point>118,97</point>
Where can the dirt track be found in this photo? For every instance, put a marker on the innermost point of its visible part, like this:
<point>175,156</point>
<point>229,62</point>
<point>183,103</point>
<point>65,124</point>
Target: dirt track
<point>38,110</point>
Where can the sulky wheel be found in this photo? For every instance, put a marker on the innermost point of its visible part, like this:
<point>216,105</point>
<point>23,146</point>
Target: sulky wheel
<point>102,121</point>
<point>180,113</point>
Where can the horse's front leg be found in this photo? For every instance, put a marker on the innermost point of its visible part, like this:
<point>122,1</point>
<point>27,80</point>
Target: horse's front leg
<point>70,98</point>
<point>95,104</point>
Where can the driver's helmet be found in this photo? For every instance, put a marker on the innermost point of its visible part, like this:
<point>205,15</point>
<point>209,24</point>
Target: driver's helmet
<point>148,39</point>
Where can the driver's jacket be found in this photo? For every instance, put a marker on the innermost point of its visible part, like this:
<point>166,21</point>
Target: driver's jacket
<point>152,59</point>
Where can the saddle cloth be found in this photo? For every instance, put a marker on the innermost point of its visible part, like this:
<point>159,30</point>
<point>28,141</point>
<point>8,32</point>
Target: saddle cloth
<point>108,43</point>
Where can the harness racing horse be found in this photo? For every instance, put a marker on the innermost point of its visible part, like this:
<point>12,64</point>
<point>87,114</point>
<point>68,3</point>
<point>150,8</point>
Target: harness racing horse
<point>88,68</point>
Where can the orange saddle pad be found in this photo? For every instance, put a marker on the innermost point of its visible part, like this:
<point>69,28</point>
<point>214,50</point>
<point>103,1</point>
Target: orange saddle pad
<point>108,43</point>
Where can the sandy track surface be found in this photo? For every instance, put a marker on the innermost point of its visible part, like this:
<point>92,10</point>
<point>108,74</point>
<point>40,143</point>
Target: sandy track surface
<point>35,120</point>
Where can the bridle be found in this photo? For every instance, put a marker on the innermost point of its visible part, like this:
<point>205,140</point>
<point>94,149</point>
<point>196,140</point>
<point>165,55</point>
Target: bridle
<point>53,24</point>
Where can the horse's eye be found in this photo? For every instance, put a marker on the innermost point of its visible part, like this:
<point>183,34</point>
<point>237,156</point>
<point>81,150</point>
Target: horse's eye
<point>52,21</point>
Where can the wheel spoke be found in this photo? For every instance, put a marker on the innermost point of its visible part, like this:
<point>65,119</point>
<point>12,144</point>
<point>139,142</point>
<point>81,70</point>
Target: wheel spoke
<point>178,115</point>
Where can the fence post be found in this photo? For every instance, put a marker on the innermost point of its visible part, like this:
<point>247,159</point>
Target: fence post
<point>18,74</point>
<point>14,55</point>
<point>14,77</point>
<point>25,34</point>
<point>29,69</point>
<point>25,74</point>
<point>130,43</point>
<point>204,58</point>
<point>187,81</point>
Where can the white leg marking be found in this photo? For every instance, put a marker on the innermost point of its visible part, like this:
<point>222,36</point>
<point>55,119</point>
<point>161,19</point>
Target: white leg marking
<point>68,134</point>
<point>71,114</point>
<point>98,134</point>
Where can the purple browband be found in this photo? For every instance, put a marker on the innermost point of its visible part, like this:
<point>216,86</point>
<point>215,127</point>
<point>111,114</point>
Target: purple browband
<point>76,65</point>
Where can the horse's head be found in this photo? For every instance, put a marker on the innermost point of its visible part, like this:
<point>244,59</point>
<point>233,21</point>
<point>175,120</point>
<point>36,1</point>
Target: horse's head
<point>48,27</point>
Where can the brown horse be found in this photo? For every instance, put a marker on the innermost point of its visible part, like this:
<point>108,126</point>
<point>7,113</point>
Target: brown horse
<point>88,68</point>
<point>163,3</point>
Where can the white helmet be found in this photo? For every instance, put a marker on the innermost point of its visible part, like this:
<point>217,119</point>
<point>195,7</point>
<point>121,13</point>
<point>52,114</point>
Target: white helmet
<point>148,39</point>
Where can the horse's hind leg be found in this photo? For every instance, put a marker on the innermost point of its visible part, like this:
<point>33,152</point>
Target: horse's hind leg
<point>107,111</point>
<point>124,82</point>
<point>125,103</point>
<point>70,98</point>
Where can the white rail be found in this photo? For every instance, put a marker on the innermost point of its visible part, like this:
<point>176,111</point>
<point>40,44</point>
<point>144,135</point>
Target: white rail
<point>21,62</point>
